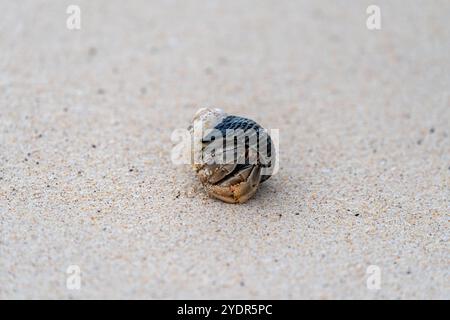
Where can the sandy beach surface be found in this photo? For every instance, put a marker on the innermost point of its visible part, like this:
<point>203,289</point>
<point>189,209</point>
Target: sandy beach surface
<point>86,177</point>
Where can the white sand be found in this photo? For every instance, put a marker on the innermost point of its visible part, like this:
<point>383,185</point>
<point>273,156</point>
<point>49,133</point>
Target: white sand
<point>364,119</point>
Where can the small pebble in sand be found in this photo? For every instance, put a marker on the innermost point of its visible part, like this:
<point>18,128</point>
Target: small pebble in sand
<point>92,51</point>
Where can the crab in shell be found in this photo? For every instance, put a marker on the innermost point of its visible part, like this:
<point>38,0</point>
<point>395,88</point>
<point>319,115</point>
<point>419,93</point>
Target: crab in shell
<point>231,155</point>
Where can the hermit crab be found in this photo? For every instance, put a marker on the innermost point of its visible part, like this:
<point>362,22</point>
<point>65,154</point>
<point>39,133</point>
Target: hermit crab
<point>231,155</point>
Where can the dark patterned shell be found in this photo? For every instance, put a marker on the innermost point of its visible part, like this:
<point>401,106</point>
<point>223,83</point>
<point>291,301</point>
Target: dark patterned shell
<point>256,141</point>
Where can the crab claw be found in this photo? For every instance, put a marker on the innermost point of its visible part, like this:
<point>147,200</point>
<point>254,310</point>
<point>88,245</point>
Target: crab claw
<point>238,188</point>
